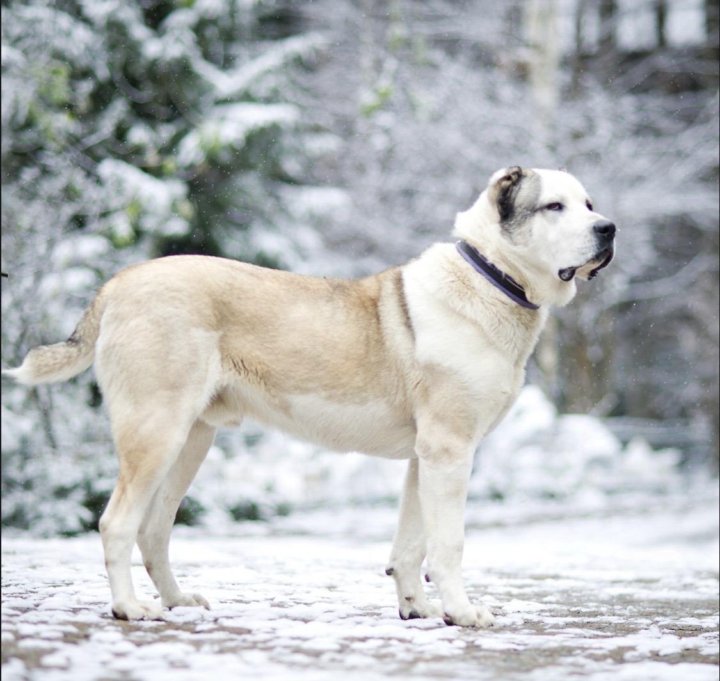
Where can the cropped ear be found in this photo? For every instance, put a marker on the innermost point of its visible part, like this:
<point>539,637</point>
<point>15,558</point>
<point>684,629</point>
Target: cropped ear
<point>504,185</point>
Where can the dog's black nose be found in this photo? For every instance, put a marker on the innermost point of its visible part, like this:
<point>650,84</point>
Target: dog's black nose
<point>605,229</point>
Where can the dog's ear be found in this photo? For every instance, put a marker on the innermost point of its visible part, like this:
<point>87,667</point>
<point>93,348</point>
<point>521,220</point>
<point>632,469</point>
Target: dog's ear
<point>503,189</point>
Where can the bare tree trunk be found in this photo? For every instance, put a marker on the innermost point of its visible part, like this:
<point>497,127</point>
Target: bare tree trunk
<point>660,22</point>
<point>579,46</point>
<point>712,21</point>
<point>608,20</point>
<point>541,29</point>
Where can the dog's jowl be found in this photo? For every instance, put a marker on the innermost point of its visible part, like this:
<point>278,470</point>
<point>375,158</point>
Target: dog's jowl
<point>418,362</point>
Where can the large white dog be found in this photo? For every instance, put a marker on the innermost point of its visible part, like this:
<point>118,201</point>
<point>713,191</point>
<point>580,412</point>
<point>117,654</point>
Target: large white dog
<point>418,362</point>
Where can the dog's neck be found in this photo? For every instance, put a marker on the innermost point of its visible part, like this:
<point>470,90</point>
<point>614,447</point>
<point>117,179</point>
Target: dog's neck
<point>538,286</point>
<point>502,281</point>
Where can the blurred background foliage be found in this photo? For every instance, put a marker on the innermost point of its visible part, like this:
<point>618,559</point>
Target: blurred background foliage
<point>337,138</point>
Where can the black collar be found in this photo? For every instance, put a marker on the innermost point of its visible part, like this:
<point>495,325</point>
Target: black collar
<point>494,275</point>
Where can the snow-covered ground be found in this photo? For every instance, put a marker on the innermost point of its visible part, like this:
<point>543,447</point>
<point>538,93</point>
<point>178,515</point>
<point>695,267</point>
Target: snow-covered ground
<point>627,593</point>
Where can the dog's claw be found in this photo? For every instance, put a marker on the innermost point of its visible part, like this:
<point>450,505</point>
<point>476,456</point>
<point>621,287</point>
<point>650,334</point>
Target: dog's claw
<point>412,615</point>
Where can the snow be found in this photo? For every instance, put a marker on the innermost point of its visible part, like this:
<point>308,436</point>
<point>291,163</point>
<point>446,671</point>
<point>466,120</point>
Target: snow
<point>79,249</point>
<point>249,76</point>
<point>632,594</point>
<point>228,127</point>
<point>156,198</point>
<point>686,22</point>
<point>52,26</point>
<point>537,452</point>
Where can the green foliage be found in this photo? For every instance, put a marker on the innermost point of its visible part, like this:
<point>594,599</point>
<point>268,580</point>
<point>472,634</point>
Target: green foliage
<point>256,511</point>
<point>54,84</point>
<point>379,98</point>
<point>190,512</point>
<point>94,501</point>
<point>249,510</point>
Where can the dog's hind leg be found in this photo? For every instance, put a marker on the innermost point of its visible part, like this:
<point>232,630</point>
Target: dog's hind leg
<point>408,553</point>
<point>147,451</point>
<point>154,536</point>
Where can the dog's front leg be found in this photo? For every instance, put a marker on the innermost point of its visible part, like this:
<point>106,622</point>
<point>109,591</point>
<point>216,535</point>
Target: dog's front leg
<point>445,462</point>
<point>408,553</point>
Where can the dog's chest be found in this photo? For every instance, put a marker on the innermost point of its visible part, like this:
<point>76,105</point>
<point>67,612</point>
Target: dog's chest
<point>488,361</point>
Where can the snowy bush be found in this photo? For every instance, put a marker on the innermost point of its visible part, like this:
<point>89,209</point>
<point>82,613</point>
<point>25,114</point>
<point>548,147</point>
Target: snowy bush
<point>537,453</point>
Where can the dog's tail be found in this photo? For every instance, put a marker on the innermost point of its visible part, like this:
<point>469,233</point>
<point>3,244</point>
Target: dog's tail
<point>61,361</point>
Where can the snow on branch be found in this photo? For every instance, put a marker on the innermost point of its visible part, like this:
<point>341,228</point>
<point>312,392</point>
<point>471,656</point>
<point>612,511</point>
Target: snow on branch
<point>229,126</point>
<point>245,78</point>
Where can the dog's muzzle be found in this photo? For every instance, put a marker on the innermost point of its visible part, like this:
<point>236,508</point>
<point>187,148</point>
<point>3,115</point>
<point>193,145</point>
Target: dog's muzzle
<point>604,231</point>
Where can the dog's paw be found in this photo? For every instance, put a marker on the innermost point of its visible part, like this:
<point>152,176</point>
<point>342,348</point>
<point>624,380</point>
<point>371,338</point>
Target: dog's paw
<point>417,609</point>
<point>187,600</point>
<point>474,616</point>
<point>137,610</point>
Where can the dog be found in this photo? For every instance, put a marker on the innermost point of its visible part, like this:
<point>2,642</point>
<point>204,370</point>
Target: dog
<point>418,362</point>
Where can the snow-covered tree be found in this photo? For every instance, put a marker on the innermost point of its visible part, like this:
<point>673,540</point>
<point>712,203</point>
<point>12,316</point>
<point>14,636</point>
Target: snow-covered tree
<point>129,130</point>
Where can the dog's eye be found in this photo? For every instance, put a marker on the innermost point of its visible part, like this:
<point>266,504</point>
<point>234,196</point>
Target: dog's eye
<point>589,205</point>
<point>554,206</point>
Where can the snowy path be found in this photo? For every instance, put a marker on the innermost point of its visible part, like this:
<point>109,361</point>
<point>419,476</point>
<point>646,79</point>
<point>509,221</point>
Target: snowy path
<point>626,596</point>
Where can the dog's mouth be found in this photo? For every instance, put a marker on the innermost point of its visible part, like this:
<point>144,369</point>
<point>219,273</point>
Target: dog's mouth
<point>595,264</point>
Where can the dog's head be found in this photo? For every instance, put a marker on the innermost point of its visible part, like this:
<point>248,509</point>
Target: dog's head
<point>543,226</point>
